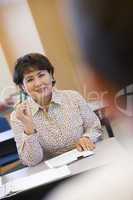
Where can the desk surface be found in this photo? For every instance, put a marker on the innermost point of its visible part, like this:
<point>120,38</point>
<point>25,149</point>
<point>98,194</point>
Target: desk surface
<point>106,152</point>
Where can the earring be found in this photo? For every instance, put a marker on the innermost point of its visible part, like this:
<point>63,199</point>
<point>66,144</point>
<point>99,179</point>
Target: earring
<point>53,82</point>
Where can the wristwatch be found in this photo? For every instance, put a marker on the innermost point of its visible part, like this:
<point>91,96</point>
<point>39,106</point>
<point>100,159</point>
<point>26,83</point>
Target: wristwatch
<point>34,132</point>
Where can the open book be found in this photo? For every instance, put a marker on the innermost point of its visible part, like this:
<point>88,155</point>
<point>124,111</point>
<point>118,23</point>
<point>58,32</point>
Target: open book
<point>67,158</point>
<point>32,181</point>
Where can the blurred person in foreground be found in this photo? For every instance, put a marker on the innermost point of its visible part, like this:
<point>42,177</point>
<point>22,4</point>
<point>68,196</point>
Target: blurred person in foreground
<point>50,121</point>
<point>104,30</point>
<point>105,35</point>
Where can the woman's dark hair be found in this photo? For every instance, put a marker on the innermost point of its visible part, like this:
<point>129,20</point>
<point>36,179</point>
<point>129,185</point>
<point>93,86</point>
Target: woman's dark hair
<point>31,61</point>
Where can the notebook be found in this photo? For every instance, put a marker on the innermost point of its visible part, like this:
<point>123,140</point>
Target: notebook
<point>67,158</point>
<point>32,181</point>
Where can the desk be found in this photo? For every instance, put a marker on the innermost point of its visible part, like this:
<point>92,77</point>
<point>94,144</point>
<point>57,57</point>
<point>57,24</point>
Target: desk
<point>106,152</point>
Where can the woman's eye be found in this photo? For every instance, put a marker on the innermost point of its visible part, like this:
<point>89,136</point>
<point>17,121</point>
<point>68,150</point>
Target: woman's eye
<point>40,75</point>
<point>29,80</point>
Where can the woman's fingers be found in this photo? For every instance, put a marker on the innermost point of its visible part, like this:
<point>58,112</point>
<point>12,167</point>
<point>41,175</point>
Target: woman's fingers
<point>85,144</point>
<point>90,145</point>
<point>28,108</point>
<point>23,109</point>
<point>78,147</point>
<point>23,112</point>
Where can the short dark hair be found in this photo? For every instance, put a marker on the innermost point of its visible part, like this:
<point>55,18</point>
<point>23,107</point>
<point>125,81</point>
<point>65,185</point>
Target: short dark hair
<point>31,61</point>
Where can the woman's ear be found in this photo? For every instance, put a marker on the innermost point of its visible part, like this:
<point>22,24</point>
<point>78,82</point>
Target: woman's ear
<point>53,82</point>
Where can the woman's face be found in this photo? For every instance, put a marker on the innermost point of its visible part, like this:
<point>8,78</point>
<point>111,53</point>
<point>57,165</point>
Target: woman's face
<point>38,84</point>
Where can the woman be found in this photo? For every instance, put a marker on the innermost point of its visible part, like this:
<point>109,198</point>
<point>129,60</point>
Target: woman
<point>50,121</point>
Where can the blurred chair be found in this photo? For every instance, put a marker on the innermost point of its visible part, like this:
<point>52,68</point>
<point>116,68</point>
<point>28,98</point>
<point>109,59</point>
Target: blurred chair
<point>100,109</point>
<point>9,159</point>
<point>4,124</point>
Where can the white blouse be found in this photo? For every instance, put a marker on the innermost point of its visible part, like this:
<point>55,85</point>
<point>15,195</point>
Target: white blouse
<point>68,118</point>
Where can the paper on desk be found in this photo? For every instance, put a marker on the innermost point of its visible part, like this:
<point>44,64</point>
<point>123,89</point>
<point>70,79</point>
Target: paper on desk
<point>67,158</point>
<point>4,190</point>
<point>40,178</point>
<point>29,182</point>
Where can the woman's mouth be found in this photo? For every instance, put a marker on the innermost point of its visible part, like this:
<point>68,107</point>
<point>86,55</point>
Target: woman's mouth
<point>42,90</point>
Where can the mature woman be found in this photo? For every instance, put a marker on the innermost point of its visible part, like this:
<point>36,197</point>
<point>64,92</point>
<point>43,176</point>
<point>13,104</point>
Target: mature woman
<point>50,121</point>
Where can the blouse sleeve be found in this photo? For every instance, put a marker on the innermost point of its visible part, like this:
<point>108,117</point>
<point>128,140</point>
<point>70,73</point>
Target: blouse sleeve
<point>28,146</point>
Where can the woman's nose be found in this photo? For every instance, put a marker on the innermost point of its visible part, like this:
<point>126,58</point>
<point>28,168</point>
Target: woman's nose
<point>37,82</point>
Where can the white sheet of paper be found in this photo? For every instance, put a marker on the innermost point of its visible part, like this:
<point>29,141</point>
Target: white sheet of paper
<point>4,190</point>
<point>67,158</point>
<point>40,178</point>
<point>33,180</point>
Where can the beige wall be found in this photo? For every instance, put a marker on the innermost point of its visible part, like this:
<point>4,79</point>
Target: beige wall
<point>18,34</point>
<point>35,25</point>
<point>52,35</point>
<point>6,84</point>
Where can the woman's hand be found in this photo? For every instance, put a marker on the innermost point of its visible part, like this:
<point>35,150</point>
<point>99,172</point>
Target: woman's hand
<point>85,144</point>
<point>23,113</point>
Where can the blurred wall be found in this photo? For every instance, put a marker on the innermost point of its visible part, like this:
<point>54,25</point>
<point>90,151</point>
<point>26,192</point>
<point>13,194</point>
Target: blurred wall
<point>52,35</point>
<point>18,34</point>
<point>35,26</point>
<point>6,84</point>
